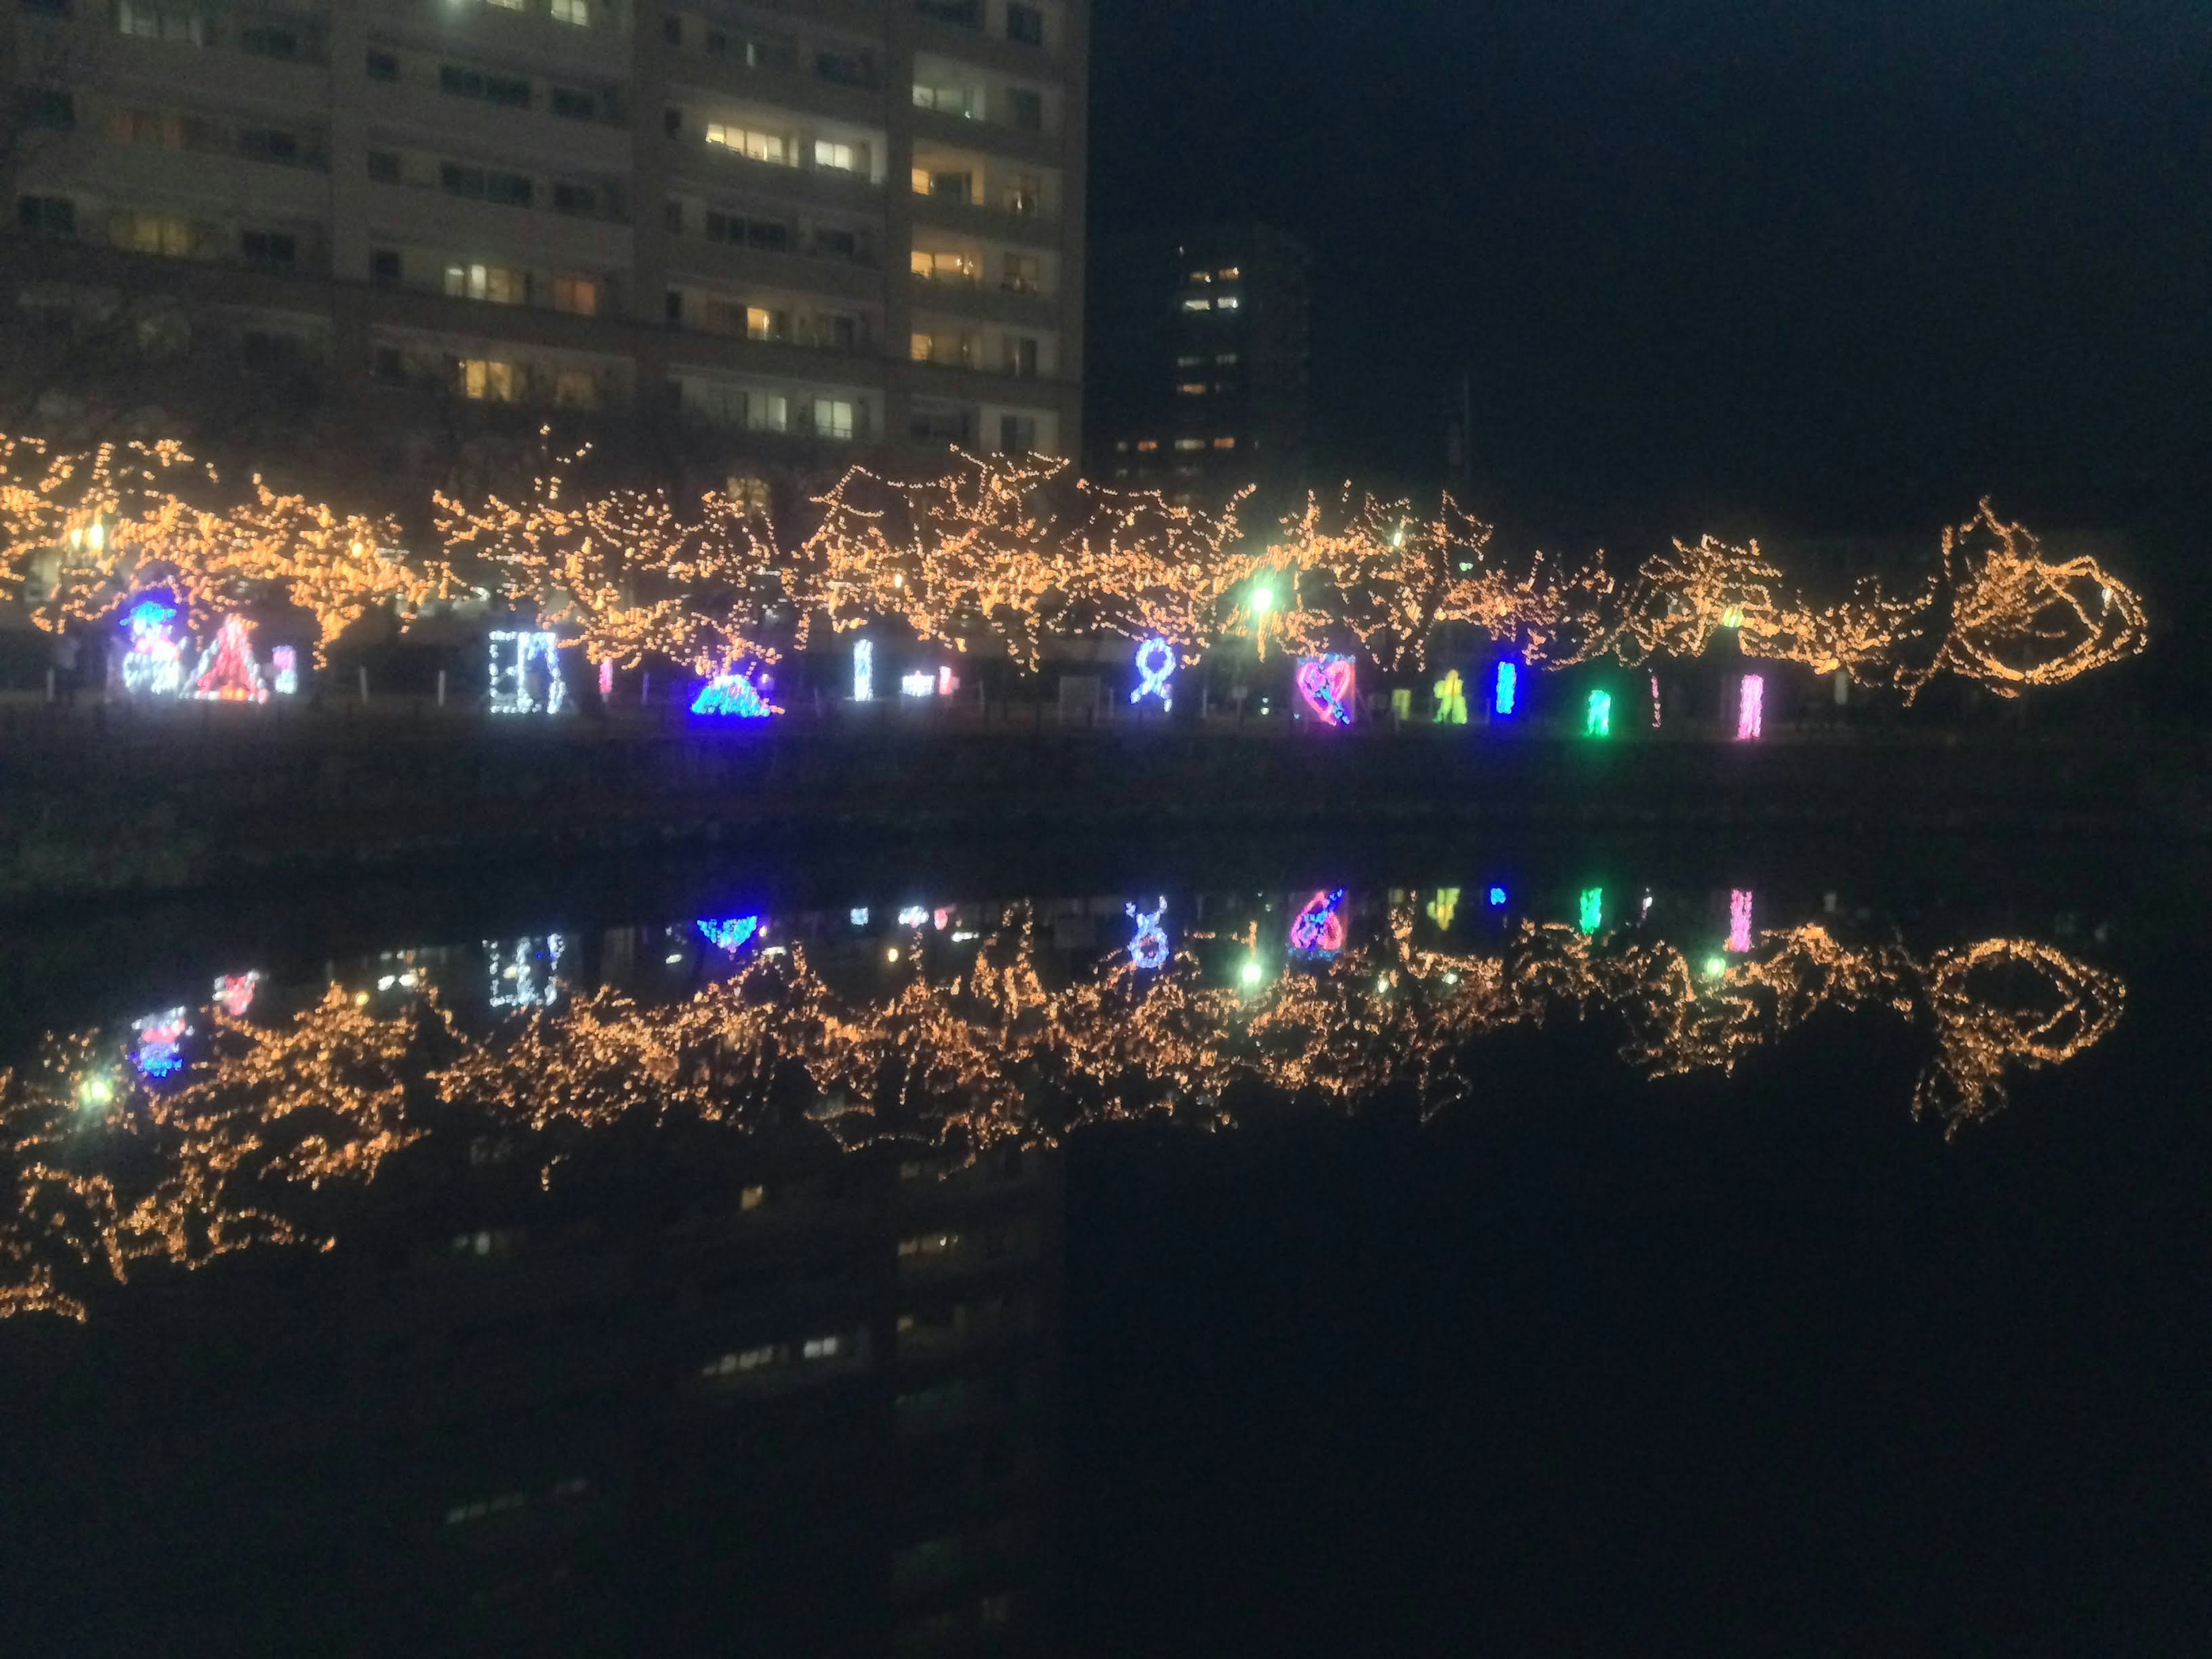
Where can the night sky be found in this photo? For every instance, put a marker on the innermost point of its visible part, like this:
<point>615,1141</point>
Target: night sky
<point>1811,264</point>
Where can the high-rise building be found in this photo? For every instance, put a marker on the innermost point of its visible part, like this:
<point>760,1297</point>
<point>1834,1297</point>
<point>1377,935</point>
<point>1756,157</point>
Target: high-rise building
<point>817,225</point>
<point>1200,363</point>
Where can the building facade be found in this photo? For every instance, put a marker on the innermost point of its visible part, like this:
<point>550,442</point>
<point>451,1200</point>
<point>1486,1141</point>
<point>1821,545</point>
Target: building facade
<point>1201,365</point>
<point>812,228</point>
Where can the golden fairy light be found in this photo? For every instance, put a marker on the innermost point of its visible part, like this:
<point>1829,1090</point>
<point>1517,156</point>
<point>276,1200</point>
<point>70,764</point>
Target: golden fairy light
<point>106,1175</point>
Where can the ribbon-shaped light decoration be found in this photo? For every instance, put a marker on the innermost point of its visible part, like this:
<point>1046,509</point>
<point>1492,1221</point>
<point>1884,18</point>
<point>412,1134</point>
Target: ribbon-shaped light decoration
<point>1155,661</point>
<point>1148,949</point>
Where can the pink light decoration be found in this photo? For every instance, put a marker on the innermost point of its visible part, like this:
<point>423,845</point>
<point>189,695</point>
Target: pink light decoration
<point>1318,929</point>
<point>1739,939</point>
<point>947,682</point>
<point>1327,685</point>
<point>607,677</point>
<point>1750,717</point>
<point>1655,702</point>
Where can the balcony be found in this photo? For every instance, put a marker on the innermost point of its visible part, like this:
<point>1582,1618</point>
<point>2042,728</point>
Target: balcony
<point>1000,223</point>
<point>581,146</point>
<point>418,213</point>
<point>531,37</point>
<point>794,269</point>
<point>692,159</point>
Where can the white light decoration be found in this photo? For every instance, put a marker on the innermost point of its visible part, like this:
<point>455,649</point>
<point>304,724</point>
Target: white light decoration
<point>513,654</point>
<point>1155,662</point>
<point>524,977</point>
<point>154,665</point>
<point>1751,708</point>
<point>913,916</point>
<point>918,685</point>
<point>864,670</point>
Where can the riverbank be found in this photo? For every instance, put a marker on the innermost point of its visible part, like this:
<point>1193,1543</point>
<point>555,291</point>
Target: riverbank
<point>100,801</point>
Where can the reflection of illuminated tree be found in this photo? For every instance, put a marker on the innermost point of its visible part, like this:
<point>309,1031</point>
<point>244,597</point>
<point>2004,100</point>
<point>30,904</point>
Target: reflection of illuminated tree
<point>105,1178</point>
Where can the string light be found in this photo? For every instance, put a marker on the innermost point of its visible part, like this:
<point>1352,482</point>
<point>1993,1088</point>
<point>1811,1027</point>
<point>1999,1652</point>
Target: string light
<point>918,685</point>
<point>1327,684</point>
<point>1655,702</point>
<point>160,1053</point>
<point>512,651</point>
<point>154,666</point>
<point>234,993</point>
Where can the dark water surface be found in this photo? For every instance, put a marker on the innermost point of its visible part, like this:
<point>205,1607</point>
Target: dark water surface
<point>1397,1249</point>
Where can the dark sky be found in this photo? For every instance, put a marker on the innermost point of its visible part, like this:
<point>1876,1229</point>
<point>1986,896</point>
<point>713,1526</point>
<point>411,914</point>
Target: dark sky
<point>1818,263</point>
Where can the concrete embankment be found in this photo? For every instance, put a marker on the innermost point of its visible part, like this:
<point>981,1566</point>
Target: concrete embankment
<point>95,801</point>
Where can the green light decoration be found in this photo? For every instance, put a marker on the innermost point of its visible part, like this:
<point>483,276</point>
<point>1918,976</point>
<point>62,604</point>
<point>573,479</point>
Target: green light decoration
<point>1591,910</point>
<point>1597,721</point>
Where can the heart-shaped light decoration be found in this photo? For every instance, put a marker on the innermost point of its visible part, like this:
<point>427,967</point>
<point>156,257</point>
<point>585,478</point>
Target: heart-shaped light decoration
<point>1325,684</point>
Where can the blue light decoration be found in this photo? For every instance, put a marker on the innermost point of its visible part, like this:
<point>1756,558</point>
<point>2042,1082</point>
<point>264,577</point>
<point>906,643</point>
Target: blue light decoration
<point>860,916</point>
<point>1148,947</point>
<point>160,1053</point>
<point>1591,911</point>
<point>514,654</point>
<point>1497,898</point>
<point>1155,661</point>
<point>732,934</point>
<point>1327,684</point>
<point>284,668</point>
<point>154,666</point>
<point>1508,697</point>
<point>864,670</point>
<point>732,695</point>
<point>1317,930</point>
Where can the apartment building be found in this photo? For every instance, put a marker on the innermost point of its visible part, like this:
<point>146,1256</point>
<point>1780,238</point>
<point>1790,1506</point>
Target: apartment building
<point>1203,345</point>
<point>821,227</point>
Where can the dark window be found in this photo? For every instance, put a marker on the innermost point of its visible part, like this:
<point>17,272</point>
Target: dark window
<point>271,249</point>
<point>50,215</point>
<point>769,234</point>
<point>673,214</point>
<point>384,167</point>
<point>264,351</point>
<point>383,268</point>
<point>388,367</point>
<point>270,145</point>
<point>847,68</point>
<point>49,108</point>
<point>1024,23</point>
<point>512,188</point>
<point>575,104</point>
<point>671,30</point>
<point>1028,107</point>
<point>838,244</point>
<point>266,40</point>
<point>383,66</point>
<point>675,305</point>
<point>968,14</point>
<point>672,122</point>
<point>509,91</point>
<point>575,198</point>
<point>456,180</point>
<point>51,7</point>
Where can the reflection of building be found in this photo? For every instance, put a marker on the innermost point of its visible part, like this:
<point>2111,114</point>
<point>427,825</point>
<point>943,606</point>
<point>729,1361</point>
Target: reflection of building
<point>813,226</point>
<point>779,1408</point>
<point>1199,382</point>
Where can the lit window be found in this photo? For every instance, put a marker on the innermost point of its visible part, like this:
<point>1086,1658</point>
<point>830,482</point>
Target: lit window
<point>1189,362</point>
<point>923,347</point>
<point>921,176</point>
<point>152,233</point>
<point>751,142</point>
<point>150,23</point>
<point>762,324</point>
<point>1201,276</point>
<point>1190,443</point>
<point>493,283</point>
<point>579,295</point>
<point>1225,443</point>
<point>767,412</point>
<point>822,1347</point>
<point>1229,273</point>
<point>575,388</point>
<point>1122,446</point>
<point>943,267</point>
<point>1192,388</point>
<point>1227,359</point>
<point>578,12</point>
<point>486,380</point>
<point>1025,273</point>
<point>508,5</point>
<point>843,158</point>
<point>1228,302</point>
<point>1197,302</point>
<point>833,417</point>
<point>751,494</point>
<point>1146,446</point>
<point>930,1244</point>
